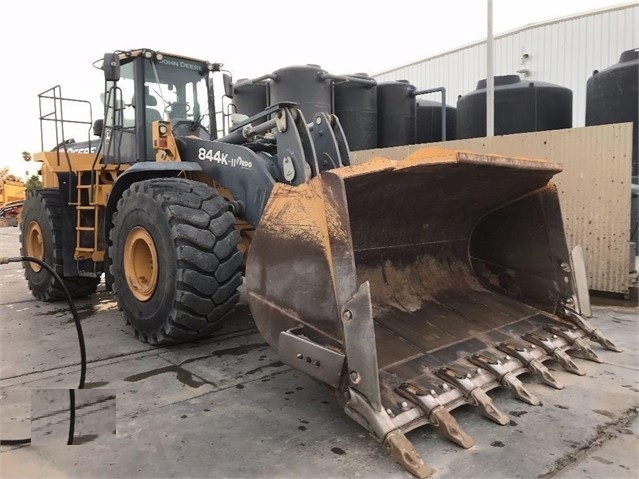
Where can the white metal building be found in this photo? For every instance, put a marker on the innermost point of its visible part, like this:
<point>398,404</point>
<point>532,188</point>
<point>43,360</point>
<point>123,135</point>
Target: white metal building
<point>564,51</point>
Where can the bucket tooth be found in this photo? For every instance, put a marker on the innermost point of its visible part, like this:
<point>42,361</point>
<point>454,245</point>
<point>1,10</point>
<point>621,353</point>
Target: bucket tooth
<point>380,424</point>
<point>436,414</point>
<point>502,367</point>
<point>450,428</point>
<point>488,408</point>
<point>530,356</point>
<point>543,373</point>
<point>599,337</point>
<point>518,390</point>
<point>593,334</point>
<point>566,362</point>
<point>552,344</point>
<point>574,337</point>
<point>586,351</point>
<point>473,393</point>
<point>405,454</point>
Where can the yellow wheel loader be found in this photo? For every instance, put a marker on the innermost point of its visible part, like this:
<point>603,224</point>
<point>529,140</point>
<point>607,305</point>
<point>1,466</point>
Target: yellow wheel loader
<point>410,288</point>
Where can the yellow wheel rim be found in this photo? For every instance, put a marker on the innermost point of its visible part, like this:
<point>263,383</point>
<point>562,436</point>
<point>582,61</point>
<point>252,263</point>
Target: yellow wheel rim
<point>140,263</point>
<point>35,244</point>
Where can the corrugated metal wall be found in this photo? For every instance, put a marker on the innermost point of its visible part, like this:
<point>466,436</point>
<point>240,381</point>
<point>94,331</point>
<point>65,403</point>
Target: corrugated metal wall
<point>564,52</point>
<point>594,188</point>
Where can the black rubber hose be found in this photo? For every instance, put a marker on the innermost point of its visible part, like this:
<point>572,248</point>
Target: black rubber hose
<point>71,417</point>
<point>83,353</point>
<point>14,442</point>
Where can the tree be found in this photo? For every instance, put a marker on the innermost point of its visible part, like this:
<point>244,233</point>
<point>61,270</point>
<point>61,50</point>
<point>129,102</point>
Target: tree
<point>26,156</point>
<point>5,175</point>
<point>34,183</point>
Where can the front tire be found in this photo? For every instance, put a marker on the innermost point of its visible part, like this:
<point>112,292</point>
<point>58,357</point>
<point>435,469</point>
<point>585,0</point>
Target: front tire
<point>175,262</point>
<point>41,237</point>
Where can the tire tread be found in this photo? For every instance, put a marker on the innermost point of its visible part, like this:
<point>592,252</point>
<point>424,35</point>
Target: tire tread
<point>207,259</point>
<point>52,204</point>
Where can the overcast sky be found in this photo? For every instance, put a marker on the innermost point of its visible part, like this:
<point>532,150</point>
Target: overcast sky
<point>54,42</point>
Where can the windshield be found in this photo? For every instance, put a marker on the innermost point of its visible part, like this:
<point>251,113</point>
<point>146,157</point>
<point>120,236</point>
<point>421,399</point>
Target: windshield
<point>176,90</point>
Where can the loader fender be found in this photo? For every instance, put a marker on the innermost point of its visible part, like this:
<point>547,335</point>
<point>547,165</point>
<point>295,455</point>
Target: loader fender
<point>139,172</point>
<point>248,175</point>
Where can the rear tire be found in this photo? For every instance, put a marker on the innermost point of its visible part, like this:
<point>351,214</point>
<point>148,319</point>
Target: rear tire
<point>175,262</point>
<point>41,237</point>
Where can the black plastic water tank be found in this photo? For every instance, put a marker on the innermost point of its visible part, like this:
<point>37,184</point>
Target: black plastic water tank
<point>612,97</point>
<point>249,98</point>
<point>520,106</point>
<point>395,113</point>
<point>305,86</point>
<point>429,122</point>
<point>356,108</point>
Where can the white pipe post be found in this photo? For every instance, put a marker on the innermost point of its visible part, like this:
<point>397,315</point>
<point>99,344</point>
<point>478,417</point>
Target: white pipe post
<point>490,80</point>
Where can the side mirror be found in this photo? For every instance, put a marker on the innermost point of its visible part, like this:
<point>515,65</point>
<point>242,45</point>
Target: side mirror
<point>111,67</point>
<point>228,85</point>
<point>98,127</point>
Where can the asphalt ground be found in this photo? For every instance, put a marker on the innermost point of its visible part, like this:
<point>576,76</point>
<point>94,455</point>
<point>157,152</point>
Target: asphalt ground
<point>226,407</point>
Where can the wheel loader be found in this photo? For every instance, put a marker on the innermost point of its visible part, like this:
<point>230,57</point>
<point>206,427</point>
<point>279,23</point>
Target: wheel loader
<point>409,287</point>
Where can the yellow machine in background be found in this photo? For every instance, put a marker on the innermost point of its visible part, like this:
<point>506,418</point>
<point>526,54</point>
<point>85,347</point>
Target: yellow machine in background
<point>11,191</point>
<point>12,196</point>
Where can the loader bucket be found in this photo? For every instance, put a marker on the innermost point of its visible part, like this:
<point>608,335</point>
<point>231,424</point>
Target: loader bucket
<point>414,287</point>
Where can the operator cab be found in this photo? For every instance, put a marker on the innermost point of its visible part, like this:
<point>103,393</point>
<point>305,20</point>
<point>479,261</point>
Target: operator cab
<point>144,86</point>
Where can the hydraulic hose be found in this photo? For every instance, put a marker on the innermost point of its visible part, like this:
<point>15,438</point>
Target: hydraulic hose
<point>83,354</point>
